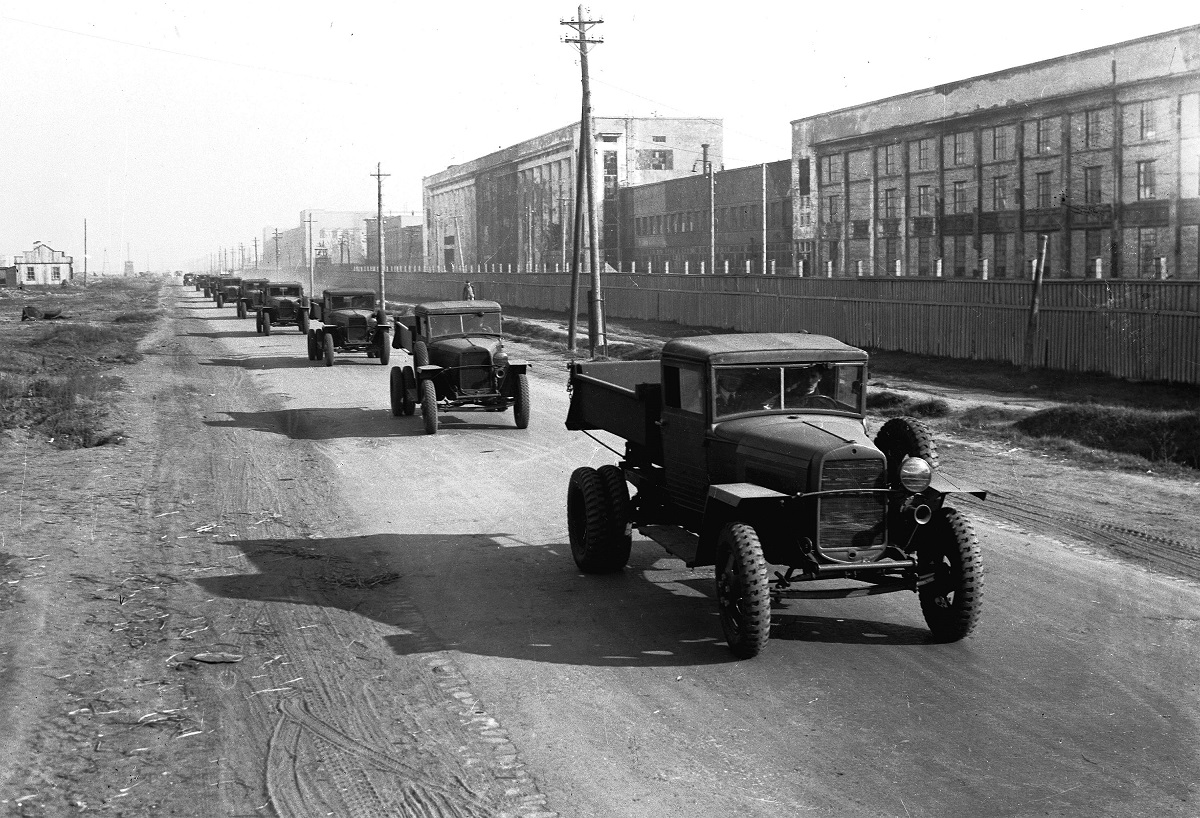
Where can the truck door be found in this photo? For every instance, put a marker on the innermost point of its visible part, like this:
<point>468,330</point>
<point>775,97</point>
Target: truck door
<point>684,431</point>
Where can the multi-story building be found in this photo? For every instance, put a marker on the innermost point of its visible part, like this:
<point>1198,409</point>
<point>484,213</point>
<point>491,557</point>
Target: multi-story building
<point>338,236</point>
<point>403,239</point>
<point>43,265</point>
<point>695,224</point>
<point>1097,151</point>
<point>516,206</point>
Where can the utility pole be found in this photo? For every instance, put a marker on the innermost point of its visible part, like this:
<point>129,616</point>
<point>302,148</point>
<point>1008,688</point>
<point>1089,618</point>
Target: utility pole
<point>85,252</point>
<point>378,174</point>
<point>241,256</point>
<point>308,219</point>
<point>256,252</point>
<point>712,212</point>
<point>277,251</point>
<point>596,336</point>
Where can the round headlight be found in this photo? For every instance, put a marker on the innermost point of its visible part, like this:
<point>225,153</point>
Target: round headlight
<point>915,474</point>
<point>500,358</point>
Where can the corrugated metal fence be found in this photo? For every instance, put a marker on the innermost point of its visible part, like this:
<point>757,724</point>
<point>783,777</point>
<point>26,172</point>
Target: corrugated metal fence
<point>1143,330</point>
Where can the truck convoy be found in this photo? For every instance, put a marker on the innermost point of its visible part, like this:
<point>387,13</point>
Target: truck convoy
<point>751,450</point>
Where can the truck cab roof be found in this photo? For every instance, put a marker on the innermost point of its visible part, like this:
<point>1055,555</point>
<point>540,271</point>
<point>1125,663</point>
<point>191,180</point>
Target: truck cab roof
<point>761,347</point>
<point>455,307</point>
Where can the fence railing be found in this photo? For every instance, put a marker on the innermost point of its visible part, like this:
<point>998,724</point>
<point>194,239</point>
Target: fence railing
<point>1142,330</point>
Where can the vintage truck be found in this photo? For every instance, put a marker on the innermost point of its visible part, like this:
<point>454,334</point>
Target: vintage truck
<point>750,453</point>
<point>226,289</point>
<point>460,363</point>
<point>283,302</point>
<point>250,295</point>
<point>201,283</point>
<point>348,320</point>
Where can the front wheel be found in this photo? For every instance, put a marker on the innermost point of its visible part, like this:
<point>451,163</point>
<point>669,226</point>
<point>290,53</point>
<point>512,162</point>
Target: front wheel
<point>429,410</point>
<point>220,300</point>
<point>258,326</point>
<point>312,345</point>
<point>328,349</point>
<point>743,594</point>
<point>949,557</point>
<point>385,350</point>
<point>241,309</point>
<point>266,323</point>
<point>302,322</point>
<point>521,403</point>
<point>420,354</point>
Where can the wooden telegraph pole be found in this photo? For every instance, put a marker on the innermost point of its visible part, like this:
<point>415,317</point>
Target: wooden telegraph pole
<point>378,174</point>
<point>586,163</point>
<point>308,220</point>
<point>277,251</point>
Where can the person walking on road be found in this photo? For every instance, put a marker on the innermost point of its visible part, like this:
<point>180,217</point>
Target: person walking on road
<point>468,292</point>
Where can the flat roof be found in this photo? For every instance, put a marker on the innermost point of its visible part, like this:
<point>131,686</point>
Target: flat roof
<point>449,307</point>
<point>761,347</point>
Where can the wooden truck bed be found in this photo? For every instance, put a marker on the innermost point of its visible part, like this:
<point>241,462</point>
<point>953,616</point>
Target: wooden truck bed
<point>621,397</point>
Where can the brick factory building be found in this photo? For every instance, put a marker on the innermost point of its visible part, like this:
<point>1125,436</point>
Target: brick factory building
<point>1099,151</point>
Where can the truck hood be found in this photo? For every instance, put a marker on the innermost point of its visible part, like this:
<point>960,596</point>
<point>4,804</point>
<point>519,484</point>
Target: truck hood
<point>797,437</point>
<point>452,349</point>
<point>343,316</point>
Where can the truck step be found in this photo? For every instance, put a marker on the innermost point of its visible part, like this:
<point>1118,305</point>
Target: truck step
<point>679,542</point>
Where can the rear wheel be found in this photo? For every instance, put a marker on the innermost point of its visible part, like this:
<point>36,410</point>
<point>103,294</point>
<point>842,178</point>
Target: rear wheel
<point>258,325</point>
<point>241,309</point>
<point>312,345</point>
<point>590,524</point>
<point>429,410</point>
<point>521,403</point>
<point>409,386</point>
<point>620,530</point>
<point>951,601</point>
<point>302,322</point>
<point>385,349</point>
<point>220,300</point>
<point>420,354</point>
<point>328,345</point>
<point>266,323</point>
<point>743,594</point>
<point>396,391</point>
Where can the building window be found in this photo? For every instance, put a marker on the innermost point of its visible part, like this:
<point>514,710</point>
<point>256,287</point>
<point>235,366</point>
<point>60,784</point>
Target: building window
<point>923,256</point>
<point>890,247</point>
<point>608,137</point>
<point>1148,252</point>
<point>1043,135</point>
<point>923,154</point>
<point>1091,185</point>
<point>1146,124</point>
<point>1093,246</point>
<point>890,163</point>
<point>56,273</point>
<point>999,143</point>
<point>890,205</point>
<point>960,255</point>
<point>1145,179</point>
<point>1091,128</point>
<point>960,197</point>
<point>924,200</point>
<point>960,148</point>
<point>657,160</point>
<point>1000,246</point>
<point>831,210</point>
<point>1045,187</point>
<point>832,174</point>
<point>30,275</point>
<point>999,193</point>
<point>658,138</point>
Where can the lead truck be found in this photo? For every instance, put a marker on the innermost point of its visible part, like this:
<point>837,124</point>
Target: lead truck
<point>750,453</point>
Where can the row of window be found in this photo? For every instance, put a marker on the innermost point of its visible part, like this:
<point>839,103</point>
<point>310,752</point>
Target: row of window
<point>961,199</point>
<point>735,217</point>
<point>55,274</point>
<point>1044,137</point>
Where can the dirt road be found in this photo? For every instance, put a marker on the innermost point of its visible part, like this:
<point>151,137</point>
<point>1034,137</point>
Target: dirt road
<point>275,598</point>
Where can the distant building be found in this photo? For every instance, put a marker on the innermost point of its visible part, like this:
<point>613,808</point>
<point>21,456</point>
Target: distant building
<point>129,269</point>
<point>338,237</point>
<point>515,206</point>
<point>402,239</point>
<point>1098,150</point>
<point>43,265</point>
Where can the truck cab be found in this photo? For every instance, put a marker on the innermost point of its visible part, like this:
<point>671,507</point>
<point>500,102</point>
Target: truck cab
<point>349,320</point>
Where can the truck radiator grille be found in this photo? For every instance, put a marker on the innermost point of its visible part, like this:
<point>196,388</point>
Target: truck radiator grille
<point>476,370</point>
<point>286,309</point>
<point>851,521</point>
<point>356,329</point>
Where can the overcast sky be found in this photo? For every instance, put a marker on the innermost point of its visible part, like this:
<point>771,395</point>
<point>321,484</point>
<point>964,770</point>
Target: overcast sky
<point>178,128</point>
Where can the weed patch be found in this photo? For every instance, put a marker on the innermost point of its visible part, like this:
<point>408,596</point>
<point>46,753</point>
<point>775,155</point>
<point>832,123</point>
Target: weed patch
<point>1157,436</point>
<point>891,404</point>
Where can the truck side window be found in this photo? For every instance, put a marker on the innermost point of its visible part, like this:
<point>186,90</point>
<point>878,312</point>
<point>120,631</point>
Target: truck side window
<point>683,388</point>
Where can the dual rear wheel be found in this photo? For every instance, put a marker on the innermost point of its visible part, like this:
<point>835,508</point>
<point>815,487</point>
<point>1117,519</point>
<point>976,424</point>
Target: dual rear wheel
<point>598,519</point>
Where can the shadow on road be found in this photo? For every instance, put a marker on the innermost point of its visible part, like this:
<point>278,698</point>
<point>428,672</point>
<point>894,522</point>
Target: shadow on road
<point>491,595</point>
<point>262,361</point>
<point>323,424</point>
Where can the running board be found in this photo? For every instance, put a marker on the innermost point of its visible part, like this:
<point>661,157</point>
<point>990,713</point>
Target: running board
<point>681,543</point>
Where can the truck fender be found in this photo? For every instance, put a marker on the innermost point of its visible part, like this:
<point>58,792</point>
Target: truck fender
<point>944,484</point>
<point>428,371</point>
<point>517,368</point>
<point>729,502</point>
<point>403,338</point>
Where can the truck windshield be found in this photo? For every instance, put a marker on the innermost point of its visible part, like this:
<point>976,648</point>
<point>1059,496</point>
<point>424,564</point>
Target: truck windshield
<point>794,387</point>
<point>471,323</point>
<point>353,302</point>
<point>286,291</point>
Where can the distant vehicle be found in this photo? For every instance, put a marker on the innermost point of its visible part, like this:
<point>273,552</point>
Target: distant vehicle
<point>348,320</point>
<point>750,453</point>
<point>188,278</point>
<point>283,303</point>
<point>250,296</point>
<point>458,352</point>
<point>225,290</point>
